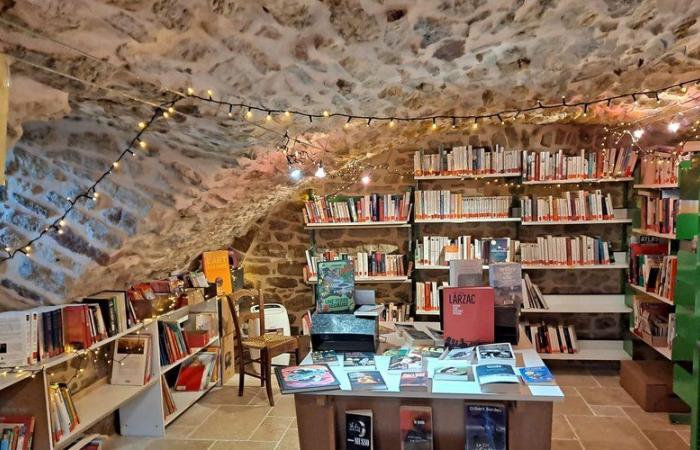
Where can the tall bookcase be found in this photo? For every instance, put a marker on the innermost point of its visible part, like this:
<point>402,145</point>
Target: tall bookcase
<point>140,408</point>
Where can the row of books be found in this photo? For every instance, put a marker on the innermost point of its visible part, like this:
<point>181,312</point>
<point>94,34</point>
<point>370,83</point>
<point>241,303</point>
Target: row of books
<point>173,345</point>
<point>440,250</point>
<point>16,432</point>
<point>467,160</point>
<point>570,206</point>
<point>396,312</point>
<point>63,415</point>
<point>652,322</point>
<point>655,274</point>
<point>532,296</point>
<point>567,251</point>
<point>551,338</point>
<point>427,296</point>
<point>36,335</point>
<point>662,168</point>
<point>197,373</point>
<point>367,208</point>
<point>365,264</point>
<point>659,210</point>
<point>449,205</point>
<point>609,163</point>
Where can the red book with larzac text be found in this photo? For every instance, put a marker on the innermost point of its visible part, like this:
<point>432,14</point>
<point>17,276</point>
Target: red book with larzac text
<point>467,315</point>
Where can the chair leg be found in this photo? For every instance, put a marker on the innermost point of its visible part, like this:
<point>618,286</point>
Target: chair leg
<point>263,370</point>
<point>241,375</point>
<point>296,356</point>
<point>268,377</point>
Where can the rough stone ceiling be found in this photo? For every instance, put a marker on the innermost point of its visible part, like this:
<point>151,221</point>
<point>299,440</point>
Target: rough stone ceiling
<point>395,58</point>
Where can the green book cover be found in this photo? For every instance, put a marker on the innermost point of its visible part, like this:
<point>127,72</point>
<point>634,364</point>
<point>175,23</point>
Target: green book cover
<point>336,286</point>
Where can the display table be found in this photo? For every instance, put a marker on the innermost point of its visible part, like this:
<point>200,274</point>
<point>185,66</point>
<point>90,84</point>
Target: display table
<point>321,415</point>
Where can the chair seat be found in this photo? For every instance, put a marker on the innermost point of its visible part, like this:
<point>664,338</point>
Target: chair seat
<point>268,341</point>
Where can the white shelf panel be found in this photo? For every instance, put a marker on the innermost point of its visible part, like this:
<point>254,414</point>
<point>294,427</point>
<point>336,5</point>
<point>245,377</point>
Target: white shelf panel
<point>432,267</point>
<point>97,402</point>
<point>577,222</point>
<point>643,232</point>
<point>592,350</point>
<point>651,294</point>
<point>9,378</point>
<point>613,266</point>
<point>666,352</point>
<point>470,220</point>
<point>404,279</point>
<point>656,186</point>
<point>582,304</point>
<point>466,176</point>
<point>428,313</point>
<point>185,399</point>
<point>193,351</point>
<point>387,224</point>
<point>582,180</point>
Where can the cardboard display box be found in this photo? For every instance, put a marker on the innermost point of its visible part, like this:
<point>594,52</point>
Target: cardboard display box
<point>650,384</point>
<point>228,360</point>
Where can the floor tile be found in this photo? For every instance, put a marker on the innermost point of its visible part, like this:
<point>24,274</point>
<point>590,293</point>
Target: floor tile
<point>284,407</point>
<point>290,441</point>
<point>561,444</point>
<point>607,411</point>
<point>606,396</point>
<point>685,435</point>
<point>228,395</point>
<point>195,415</point>
<point>183,444</point>
<point>232,422</point>
<point>243,445</point>
<point>652,421</point>
<point>573,377</point>
<point>175,431</point>
<point>572,405</point>
<point>272,429</point>
<point>666,440</point>
<point>608,433</point>
<point>561,428</point>
<point>127,443</point>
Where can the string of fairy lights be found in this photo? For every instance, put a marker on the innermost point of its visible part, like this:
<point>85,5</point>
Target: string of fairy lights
<point>354,171</point>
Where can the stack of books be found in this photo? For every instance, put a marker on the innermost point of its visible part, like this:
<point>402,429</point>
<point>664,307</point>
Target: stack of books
<point>567,251</point>
<point>570,206</point>
<point>551,338</point>
<point>662,168</point>
<point>427,296</point>
<point>467,160</point>
<point>533,298</point>
<point>16,432</point>
<point>440,250</point>
<point>651,321</point>
<point>655,274</point>
<point>365,264</point>
<point>366,208</point>
<point>450,205</point>
<point>586,165</point>
<point>659,211</point>
<point>173,345</point>
<point>64,416</point>
<point>117,310</point>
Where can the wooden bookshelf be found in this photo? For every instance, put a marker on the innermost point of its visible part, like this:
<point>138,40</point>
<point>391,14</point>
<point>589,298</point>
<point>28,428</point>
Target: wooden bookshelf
<point>332,225</point>
<point>466,176</point>
<point>644,232</point>
<point>640,289</point>
<point>580,180</point>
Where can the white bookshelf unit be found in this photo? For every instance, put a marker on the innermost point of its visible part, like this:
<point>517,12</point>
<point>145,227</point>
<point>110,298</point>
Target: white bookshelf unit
<point>593,350</point>
<point>140,408</point>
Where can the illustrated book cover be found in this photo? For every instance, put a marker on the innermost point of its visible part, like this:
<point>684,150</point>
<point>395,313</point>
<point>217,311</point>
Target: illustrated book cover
<point>358,429</point>
<point>358,360</point>
<point>336,286</point>
<point>362,380</point>
<point>317,377</point>
<point>416,425</point>
<point>485,426</point>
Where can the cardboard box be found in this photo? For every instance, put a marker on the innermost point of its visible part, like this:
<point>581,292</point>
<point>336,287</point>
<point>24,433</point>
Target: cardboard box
<point>228,360</point>
<point>227,326</point>
<point>650,384</point>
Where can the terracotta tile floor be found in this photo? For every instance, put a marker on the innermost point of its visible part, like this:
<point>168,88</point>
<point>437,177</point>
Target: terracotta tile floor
<point>596,415</point>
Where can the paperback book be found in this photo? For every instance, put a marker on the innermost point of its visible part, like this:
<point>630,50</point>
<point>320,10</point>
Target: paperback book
<point>294,379</point>
<point>410,362</point>
<point>539,375</point>
<point>325,357</point>
<point>486,427</point>
<point>452,373</point>
<point>132,358</point>
<point>16,432</point>
<point>416,425</point>
<point>466,354</point>
<point>467,316</point>
<point>414,382</point>
<point>495,373</point>
<point>495,353</point>
<point>358,430</point>
<point>358,360</point>
<point>361,380</point>
<point>506,279</point>
<point>336,286</point>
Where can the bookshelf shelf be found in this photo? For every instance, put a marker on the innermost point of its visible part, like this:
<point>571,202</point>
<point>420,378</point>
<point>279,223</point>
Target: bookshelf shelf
<point>666,352</point>
<point>9,379</point>
<point>470,220</point>
<point>466,176</point>
<point>592,350</point>
<point>403,279</point>
<point>581,180</point>
<point>656,186</point>
<point>582,304</point>
<point>165,369</point>
<point>577,222</point>
<point>97,402</point>
<point>651,294</point>
<point>424,312</point>
<point>644,232</point>
<point>388,224</point>
<point>184,399</point>
<point>612,266</point>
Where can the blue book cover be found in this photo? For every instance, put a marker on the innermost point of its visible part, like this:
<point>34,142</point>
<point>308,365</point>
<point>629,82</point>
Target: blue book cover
<point>486,427</point>
<point>537,375</point>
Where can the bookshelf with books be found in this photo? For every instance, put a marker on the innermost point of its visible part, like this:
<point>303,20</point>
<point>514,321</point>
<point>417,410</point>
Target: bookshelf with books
<point>598,166</point>
<point>116,357</point>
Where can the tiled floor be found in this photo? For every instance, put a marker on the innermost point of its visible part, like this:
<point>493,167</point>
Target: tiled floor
<point>597,414</point>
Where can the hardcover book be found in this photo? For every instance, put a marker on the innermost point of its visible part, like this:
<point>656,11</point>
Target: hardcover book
<point>507,281</point>
<point>416,423</point>
<point>495,373</point>
<point>325,357</point>
<point>499,250</point>
<point>486,427</point>
<point>358,360</point>
<point>539,375</point>
<point>466,272</point>
<point>358,430</point>
<point>410,362</point>
<point>361,380</point>
<point>336,286</point>
<point>467,316</point>
<point>451,373</point>
<point>414,382</point>
<point>317,377</point>
<point>495,353</point>
<point>413,336</point>
<point>133,354</point>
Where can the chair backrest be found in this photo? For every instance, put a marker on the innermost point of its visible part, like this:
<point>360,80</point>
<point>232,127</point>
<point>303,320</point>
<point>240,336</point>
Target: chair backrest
<point>256,295</point>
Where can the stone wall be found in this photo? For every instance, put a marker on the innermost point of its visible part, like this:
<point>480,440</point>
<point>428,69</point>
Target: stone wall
<point>274,248</point>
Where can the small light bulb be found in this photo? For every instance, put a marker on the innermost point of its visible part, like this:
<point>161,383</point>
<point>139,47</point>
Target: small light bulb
<point>365,179</point>
<point>320,172</point>
<point>684,89</point>
<point>638,133</point>
<point>434,126</point>
<point>249,114</point>
<point>171,110</point>
<point>392,123</point>
<point>143,144</point>
<point>115,164</point>
<point>142,125</point>
<point>190,91</point>
<point>28,248</point>
<point>326,114</point>
<point>96,194</point>
<point>286,114</point>
<point>60,231</point>
<point>347,125</point>
<point>269,117</point>
<point>8,249</point>
<point>210,93</point>
<point>673,127</point>
<point>475,125</point>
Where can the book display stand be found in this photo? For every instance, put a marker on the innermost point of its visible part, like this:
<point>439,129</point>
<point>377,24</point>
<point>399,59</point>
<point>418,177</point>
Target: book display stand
<point>24,391</point>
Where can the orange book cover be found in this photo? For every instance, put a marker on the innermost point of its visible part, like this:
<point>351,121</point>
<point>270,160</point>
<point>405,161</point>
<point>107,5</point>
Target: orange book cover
<point>215,265</point>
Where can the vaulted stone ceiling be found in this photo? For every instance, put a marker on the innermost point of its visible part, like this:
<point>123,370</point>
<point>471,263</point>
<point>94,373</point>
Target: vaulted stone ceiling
<point>206,177</point>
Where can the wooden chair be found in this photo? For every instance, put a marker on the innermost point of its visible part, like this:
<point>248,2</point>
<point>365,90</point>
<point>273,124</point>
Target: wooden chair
<point>269,345</point>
